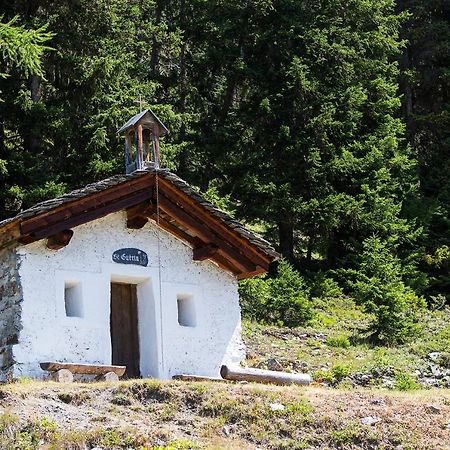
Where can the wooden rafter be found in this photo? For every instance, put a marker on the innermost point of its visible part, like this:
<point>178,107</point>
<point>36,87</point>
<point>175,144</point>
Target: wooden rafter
<point>204,252</point>
<point>59,240</point>
<point>138,215</point>
<point>180,214</point>
<point>41,230</point>
<point>258,271</point>
<point>174,195</point>
<point>78,206</point>
<point>204,233</point>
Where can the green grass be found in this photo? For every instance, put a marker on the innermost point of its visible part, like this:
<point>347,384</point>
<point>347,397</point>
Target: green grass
<point>337,337</point>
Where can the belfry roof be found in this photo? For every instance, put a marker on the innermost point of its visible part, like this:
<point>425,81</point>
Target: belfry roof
<point>141,115</point>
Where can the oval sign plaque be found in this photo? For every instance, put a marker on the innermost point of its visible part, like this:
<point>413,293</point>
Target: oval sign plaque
<point>130,256</point>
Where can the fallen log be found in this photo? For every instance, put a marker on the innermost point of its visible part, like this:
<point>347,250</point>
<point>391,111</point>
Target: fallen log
<point>184,377</point>
<point>263,376</point>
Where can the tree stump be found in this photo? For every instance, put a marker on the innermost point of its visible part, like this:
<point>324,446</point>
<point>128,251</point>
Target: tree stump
<point>63,376</point>
<point>110,376</point>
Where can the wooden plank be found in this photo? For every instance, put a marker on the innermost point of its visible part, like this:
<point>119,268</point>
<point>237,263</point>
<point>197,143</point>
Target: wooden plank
<point>87,369</point>
<point>77,206</point>
<point>205,234</point>
<point>137,216</point>
<point>9,233</point>
<point>59,240</point>
<point>222,262</point>
<point>87,216</point>
<point>263,376</point>
<point>174,230</point>
<point>225,264</point>
<point>258,271</point>
<point>204,252</point>
<point>177,196</point>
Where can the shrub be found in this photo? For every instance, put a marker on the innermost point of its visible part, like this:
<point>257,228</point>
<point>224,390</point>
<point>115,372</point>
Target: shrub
<point>254,298</point>
<point>340,371</point>
<point>333,376</point>
<point>282,300</point>
<point>379,287</point>
<point>323,375</point>
<point>341,341</point>
<point>404,381</point>
<point>325,287</point>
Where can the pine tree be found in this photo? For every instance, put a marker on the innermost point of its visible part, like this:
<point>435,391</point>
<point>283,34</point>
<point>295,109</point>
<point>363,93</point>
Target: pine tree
<point>426,87</point>
<point>303,128</point>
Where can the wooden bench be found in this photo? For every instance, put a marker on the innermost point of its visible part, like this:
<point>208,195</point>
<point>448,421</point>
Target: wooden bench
<point>63,372</point>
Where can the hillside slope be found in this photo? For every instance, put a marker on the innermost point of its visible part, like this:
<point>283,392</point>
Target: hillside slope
<point>212,415</point>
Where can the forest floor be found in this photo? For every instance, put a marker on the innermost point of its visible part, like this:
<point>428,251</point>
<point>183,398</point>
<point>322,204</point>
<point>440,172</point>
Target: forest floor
<point>336,351</point>
<point>363,397</point>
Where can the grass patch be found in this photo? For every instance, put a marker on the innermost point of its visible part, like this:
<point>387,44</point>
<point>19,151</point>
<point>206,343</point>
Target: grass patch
<point>340,341</point>
<point>121,399</point>
<point>404,381</point>
<point>75,397</point>
<point>346,436</point>
<point>336,374</point>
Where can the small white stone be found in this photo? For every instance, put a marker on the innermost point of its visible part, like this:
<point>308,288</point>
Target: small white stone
<point>433,409</point>
<point>434,356</point>
<point>277,407</point>
<point>369,420</point>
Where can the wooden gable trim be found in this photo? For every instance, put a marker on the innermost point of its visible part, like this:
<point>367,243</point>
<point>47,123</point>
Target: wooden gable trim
<point>179,214</point>
<point>92,201</point>
<point>177,197</point>
<point>207,235</point>
<point>38,229</point>
<point>205,252</point>
<point>9,234</point>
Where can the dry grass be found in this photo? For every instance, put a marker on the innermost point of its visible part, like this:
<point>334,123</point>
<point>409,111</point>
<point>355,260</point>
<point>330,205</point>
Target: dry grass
<point>149,414</point>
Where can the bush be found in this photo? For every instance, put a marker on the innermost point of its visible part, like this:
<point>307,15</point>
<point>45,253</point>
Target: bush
<point>404,381</point>
<point>282,300</point>
<point>254,298</point>
<point>341,341</point>
<point>325,288</point>
<point>333,376</point>
<point>379,287</point>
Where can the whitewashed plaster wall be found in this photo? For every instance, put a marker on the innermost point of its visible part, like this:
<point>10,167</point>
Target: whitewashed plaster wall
<point>166,347</point>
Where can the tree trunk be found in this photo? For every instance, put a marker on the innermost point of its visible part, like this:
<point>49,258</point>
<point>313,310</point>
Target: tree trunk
<point>34,139</point>
<point>154,59</point>
<point>286,239</point>
<point>309,249</point>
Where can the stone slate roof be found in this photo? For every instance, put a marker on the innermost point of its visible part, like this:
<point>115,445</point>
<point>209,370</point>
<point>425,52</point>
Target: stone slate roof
<point>136,118</point>
<point>115,180</point>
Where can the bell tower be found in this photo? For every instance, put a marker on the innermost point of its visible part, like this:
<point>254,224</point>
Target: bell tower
<point>142,133</point>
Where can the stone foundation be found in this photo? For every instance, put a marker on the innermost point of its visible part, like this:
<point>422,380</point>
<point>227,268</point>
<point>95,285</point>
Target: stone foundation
<point>10,310</point>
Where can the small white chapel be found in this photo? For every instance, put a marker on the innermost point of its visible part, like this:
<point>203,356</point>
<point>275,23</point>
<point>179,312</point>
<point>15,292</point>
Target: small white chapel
<point>137,270</point>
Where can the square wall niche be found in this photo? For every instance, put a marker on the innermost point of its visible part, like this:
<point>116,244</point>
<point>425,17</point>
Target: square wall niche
<point>186,310</point>
<point>73,298</point>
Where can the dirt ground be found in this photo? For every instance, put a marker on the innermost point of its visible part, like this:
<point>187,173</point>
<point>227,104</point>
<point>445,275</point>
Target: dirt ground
<point>182,415</point>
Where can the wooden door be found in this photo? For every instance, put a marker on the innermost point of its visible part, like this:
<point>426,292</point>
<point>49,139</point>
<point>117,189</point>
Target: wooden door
<point>124,328</point>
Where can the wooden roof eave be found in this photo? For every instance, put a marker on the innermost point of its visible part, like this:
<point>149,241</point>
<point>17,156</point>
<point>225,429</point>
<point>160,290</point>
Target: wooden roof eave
<point>10,234</point>
<point>84,210</point>
<point>225,232</point>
